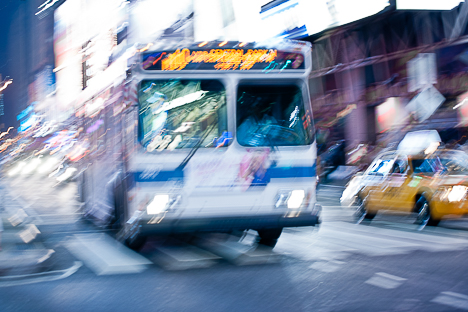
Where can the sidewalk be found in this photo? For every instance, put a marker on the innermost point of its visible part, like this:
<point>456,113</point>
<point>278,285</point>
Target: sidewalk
<point>22,250</point>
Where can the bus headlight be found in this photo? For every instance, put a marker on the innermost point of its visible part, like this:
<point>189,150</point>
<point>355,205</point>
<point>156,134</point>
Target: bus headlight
<point>162,203</point>
<point>296,199</point>
<point>291,199</point>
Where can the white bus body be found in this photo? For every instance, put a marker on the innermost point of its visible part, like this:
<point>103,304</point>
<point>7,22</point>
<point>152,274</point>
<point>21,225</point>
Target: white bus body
<point>220,139</point>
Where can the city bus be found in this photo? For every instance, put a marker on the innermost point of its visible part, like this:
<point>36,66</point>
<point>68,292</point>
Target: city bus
<point>219,138</point>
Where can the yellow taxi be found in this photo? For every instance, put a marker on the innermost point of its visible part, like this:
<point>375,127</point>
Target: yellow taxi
<point>432,186</point>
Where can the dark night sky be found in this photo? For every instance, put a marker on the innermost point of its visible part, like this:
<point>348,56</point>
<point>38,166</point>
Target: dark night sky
<point>7,8</point>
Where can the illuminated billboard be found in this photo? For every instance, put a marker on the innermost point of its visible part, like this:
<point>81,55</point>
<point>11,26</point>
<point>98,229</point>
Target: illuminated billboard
<point>427,4</point>
<point>299,18</point>
<point>389,114</point>
<point>84,39</point>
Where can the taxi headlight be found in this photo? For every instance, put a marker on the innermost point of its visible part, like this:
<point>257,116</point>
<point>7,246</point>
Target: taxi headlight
<point>457,193</point>
<point>162,203</point>
<point>349,194</point>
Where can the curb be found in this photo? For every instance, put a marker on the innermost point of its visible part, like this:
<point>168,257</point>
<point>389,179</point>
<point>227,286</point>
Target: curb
<point>22,251</point>
<point>14,262</point>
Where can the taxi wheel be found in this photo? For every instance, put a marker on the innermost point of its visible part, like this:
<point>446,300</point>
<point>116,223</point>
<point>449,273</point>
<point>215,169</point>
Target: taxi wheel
<point>424,214</point>
<point>269,237</point>
<point>361,211</point>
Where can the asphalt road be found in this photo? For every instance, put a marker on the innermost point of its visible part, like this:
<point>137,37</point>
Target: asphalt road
<point>385,265</point>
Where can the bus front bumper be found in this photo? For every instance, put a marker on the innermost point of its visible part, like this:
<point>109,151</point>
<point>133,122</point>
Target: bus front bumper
<point>168,225</point>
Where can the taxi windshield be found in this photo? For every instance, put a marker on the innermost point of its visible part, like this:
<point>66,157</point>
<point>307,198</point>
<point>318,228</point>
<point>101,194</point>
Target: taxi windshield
<point>451,162</point>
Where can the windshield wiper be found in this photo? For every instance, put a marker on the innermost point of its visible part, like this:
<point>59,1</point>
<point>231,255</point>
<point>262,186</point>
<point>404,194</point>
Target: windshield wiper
<point>196,147</point>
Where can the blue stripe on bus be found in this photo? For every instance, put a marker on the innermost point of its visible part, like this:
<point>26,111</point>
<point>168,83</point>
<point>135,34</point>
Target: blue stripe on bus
<point>274,173</point>
<point>160,176</point>
<point>292,172</point>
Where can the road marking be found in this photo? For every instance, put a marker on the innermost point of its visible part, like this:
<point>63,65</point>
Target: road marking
<point>367,244</point>
<point>30,233</point>
<point>104,255</point>
<point>183,257</point>
<point>430,242</point>
<point>336,240</point>
<point>241,254</point>
<point>385,280</point>
<point>310,248</point>
<point>452,299</point>
<point>17,280</point>
<point>327,266</point>
<point>18,217</point>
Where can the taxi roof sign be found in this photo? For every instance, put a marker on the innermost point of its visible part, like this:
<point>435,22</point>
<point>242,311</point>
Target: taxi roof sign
<point>418,141</point>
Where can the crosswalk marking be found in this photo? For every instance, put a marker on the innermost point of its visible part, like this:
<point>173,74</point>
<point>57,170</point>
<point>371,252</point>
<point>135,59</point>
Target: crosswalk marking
<point>327,266</point>
<point>183,257</point>
<point>396,234</point>
<point>336,240</point>
<point>104,255</point>
<point>452,299</point>
<point>385,280</point>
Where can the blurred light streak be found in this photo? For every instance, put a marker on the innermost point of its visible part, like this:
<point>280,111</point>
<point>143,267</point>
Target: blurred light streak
<point>242,44</point>
<point>431,148</point>
<point>16,169</point>
<point>156,60</point>
<point>5,85</point>
<point>6,132</point>
<point>43,4</point>
<point>67,174</point>
<point>186,99</point>
<point>55,171</point>
<point>77,57</point>
<point>146,48</point>
<point>104,133</point>
<point>223,43</point>
<point>203,43</point>
<point>47,6</point>
<point>78,157</point>
<point>285,65</point>
<point>121,27</point>
<point>461,103</point>
<point>123,4</point>
<point>31,166</point>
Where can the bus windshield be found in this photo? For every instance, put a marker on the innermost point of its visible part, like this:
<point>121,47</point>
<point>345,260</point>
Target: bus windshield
<point>272,115</point>
<point>181,113</point>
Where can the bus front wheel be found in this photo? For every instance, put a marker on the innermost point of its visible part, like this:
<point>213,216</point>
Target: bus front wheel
<point>136,243</point>
<point>118,216</point>
<point>269,237</point>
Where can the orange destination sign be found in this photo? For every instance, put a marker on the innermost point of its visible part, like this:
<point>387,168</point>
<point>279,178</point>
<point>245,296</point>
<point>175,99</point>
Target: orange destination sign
<point>222,59</point>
